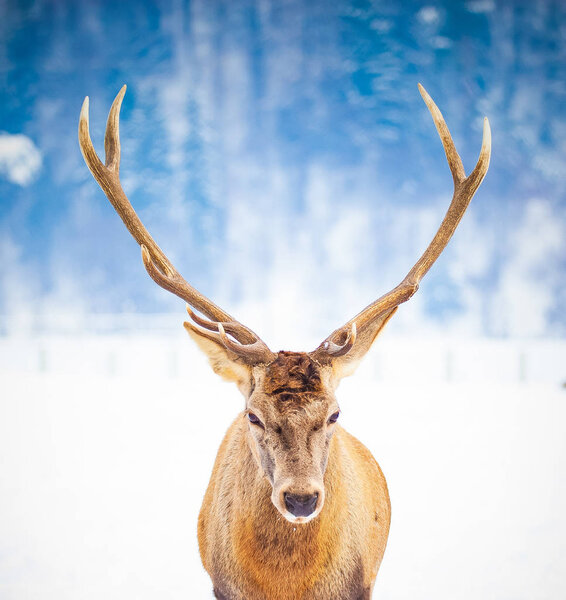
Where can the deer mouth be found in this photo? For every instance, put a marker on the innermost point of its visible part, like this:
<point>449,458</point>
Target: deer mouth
<point>300,520</point>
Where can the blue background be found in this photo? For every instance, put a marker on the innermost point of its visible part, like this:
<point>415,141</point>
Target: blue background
<point>281,155</point>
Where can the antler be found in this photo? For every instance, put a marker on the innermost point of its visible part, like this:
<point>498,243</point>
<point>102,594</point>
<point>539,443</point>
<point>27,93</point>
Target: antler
<point>246,344</point>
<point>374,315</point>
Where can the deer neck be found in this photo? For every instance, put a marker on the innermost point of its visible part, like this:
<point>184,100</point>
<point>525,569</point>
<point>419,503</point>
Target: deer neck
<point>266,543</point>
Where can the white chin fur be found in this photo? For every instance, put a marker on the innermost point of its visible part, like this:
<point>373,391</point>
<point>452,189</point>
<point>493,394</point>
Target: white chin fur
<point>299,520</point>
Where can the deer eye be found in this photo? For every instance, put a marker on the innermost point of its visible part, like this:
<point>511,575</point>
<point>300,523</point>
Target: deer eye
<point>255,420</point>
<point>334,417</point>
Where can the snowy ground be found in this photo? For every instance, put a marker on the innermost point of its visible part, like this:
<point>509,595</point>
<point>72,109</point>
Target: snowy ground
<point>104,460</point>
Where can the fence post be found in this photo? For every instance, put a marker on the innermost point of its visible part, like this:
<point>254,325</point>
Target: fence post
<point>449,366</point>
<point>522,366</point>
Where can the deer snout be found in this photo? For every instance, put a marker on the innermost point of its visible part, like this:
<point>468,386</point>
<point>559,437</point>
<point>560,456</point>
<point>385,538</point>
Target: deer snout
<point>300,505</point>
<point>298,502</point>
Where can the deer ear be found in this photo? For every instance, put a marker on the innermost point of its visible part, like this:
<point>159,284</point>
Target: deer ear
<point>345,365</point>
<point>223,362</point>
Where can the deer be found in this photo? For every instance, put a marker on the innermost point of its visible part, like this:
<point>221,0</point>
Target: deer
<point>296,507</point>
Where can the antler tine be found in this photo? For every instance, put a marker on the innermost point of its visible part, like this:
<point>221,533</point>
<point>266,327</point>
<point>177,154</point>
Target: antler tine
<point>254,353</point>
<point>464,190</point>
<point>156,263</point>
<point>257,352</point>
<point>205,323</point>
<point>232,327</point>
<point>454,160</point>
<point>112,134</point>
<point>336,350</point>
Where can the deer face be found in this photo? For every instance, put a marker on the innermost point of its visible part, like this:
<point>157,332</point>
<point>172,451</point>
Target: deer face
<point>291,415</point>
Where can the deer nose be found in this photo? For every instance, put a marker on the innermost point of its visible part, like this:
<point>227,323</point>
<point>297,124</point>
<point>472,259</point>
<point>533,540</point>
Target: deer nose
<point>301,505</point>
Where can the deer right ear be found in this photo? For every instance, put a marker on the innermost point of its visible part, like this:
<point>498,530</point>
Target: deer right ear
<point>224,362</point>
<point>347,357</point>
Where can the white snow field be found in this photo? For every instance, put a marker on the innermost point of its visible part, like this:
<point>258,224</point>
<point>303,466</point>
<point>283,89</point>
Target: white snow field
<point>107,443</point>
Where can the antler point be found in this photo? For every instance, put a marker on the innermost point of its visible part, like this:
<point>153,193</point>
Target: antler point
<point>486,130</point>
<point>84,109</point>
<point>120,96</point>
<point>424,93</point>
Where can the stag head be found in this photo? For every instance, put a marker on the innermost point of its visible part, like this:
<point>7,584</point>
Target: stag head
<point>291,410</point>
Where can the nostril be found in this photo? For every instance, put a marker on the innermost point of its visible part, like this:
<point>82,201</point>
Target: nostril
<point>300,505</point>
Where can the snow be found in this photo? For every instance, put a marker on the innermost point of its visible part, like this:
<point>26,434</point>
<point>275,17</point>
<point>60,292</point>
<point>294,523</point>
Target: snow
<point>107,443</point>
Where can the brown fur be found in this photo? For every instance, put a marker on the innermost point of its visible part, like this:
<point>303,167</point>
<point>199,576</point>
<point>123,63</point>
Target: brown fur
<point>251,551</point>
<point>292,372</point>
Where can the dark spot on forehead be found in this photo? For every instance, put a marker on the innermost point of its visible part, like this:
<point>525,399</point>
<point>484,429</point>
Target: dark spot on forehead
<point>292,373</point>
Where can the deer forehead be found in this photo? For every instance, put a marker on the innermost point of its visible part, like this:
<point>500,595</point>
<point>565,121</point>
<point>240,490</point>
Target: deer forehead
<point>293,387</point>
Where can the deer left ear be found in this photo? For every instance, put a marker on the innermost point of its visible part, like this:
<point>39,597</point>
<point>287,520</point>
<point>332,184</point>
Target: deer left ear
<point>224,362</point>
<point>346,364</point>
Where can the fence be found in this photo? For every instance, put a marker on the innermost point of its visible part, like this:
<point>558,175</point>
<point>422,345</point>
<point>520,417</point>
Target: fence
<point>392,359</point>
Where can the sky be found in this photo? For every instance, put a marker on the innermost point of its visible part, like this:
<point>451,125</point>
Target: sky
<point>281,155</point>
